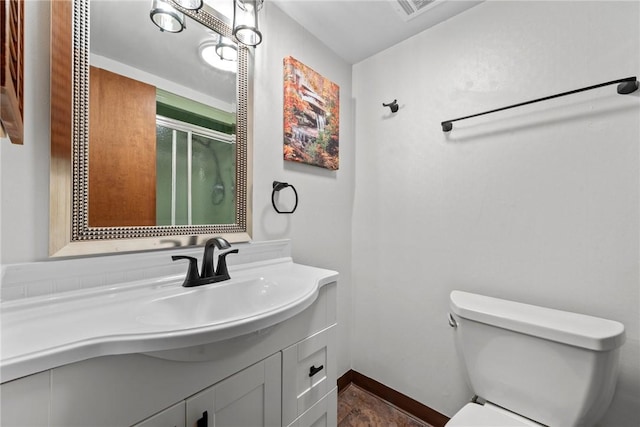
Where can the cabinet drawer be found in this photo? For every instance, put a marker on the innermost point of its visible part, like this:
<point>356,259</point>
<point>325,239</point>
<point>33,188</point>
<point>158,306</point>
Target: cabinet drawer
<point>322,414</point>
<point>308,373</point>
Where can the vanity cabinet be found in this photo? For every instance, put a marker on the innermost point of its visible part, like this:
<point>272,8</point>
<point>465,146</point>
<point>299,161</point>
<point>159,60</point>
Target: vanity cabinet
<point>170,417</point>
<point>294,387</point>
<point>284,375</point>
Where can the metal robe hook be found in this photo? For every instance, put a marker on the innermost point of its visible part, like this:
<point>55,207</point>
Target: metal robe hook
<point>392,105</point>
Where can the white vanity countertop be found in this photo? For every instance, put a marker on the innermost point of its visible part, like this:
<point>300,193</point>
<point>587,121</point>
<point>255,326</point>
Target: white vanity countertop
<point>45,332</point>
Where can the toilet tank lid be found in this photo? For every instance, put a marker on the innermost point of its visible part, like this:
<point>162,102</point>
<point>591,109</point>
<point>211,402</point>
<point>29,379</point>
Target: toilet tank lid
<point>566,327</point>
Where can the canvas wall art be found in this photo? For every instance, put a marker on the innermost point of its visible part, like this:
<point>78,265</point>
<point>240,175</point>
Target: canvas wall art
<point>311,116</point>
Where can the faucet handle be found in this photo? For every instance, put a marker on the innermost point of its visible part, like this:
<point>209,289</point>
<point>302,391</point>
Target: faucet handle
<point>192,277</point>
<point>222,271</point>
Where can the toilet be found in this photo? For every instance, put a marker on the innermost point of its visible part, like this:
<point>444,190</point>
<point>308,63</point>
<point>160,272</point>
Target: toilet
<point>533,366</point>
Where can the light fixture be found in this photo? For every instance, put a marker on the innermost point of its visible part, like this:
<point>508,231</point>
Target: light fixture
<point>227,50</point>
<point>166,17</point>
<point>209,49</point>
<point>245,21</point>
<point>189,4</point>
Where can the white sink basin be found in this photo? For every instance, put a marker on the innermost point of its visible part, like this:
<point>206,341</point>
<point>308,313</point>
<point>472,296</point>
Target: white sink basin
<point>221,303</point>
<point>148,316</point>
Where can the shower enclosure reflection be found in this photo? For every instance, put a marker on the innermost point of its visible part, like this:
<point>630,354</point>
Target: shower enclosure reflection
<point>195,175</point>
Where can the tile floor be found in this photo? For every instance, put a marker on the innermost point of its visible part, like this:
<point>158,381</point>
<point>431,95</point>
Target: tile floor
<point>359,408</point>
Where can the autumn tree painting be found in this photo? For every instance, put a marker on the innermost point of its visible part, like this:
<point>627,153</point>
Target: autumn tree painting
<point>311,116</point>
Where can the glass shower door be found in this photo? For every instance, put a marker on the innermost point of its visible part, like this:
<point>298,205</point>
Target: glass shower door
<point>195,175</point>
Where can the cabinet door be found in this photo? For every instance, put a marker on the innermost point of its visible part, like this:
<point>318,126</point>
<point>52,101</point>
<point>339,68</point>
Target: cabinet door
<point>25,402</point>
<point>308,373</point>
<point>170,417</point>
<point>250,398</point>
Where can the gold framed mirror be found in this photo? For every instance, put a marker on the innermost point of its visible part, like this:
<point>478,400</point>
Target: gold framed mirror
<point>72,231</point>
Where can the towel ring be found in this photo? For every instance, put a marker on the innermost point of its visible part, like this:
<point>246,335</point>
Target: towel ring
<point>277,186</point>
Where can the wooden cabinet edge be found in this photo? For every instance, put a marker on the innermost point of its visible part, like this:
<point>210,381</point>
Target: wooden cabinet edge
<point>12,90</point>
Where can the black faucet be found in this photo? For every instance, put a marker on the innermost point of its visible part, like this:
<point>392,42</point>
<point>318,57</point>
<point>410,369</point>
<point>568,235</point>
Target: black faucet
<point>208,274</point>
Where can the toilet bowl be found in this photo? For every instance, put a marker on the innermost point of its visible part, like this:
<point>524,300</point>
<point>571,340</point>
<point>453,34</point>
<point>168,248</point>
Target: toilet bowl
<point>533,365</point>
<point>488,415</point>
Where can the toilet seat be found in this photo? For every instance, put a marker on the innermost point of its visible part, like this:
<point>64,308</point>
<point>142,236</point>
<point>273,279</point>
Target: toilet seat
<point>488,415</point>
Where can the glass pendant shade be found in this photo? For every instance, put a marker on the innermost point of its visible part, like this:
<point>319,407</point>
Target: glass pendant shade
<point>209,54</point>
<point>245,22</point>
<point>227,50</point>
<point>189,4</point>
<point>166,17</point>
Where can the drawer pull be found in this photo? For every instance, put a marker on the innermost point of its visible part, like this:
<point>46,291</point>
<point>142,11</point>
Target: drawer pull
<point>204,421</point>
<point>313,370</point>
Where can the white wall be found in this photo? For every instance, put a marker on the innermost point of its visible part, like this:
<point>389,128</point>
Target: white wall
<point>24,175</point>
<point>539,204</point>
<point>319,229</point>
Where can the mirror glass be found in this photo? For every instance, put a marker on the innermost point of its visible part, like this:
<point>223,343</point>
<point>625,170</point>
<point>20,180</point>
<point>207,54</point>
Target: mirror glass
<point>141,76</point>
<point>150,144</point>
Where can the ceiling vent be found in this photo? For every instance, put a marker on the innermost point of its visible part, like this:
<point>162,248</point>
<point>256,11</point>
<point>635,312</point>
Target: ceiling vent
<point>409,9</point>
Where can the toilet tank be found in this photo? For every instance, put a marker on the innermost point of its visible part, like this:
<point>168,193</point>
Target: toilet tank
<point>555,367</point>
